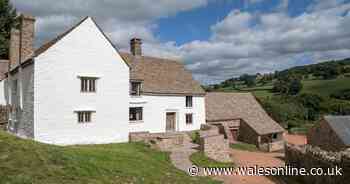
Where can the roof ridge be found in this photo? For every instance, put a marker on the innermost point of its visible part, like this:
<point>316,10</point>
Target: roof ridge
<point>153,57</point>
<point>52,42</point>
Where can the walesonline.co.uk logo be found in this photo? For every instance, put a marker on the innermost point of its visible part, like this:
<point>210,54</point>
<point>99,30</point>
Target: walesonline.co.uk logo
<point>264,171</point>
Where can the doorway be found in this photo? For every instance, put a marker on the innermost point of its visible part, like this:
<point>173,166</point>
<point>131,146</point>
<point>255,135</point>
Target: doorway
<point>170,121</point>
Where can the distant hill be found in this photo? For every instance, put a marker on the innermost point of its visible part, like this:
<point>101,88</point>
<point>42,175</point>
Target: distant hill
<point>339,66</point>
<point>325,90</point>
<point>322,71</point>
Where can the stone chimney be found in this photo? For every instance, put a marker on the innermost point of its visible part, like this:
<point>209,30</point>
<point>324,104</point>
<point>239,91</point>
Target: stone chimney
<point>22,40</point>
<point>135,46</point>
<point>14,48</point>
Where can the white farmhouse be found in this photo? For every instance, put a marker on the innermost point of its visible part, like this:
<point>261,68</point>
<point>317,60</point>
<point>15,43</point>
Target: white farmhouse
<point>79,89</point>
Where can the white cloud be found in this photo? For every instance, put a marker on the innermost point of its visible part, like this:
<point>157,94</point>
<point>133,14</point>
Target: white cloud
<point>325,4</point>
<point>120,19</point>
<point>243,42</point>
<point>249,43</point>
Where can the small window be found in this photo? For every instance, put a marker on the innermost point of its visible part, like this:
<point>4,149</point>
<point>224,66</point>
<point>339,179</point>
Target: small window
<point>84,116</point>
<point>135,88</point>
<point>274,136</point>
<point>88,84</point>
<point>135,114</point>
<point>189,118</point>
<point>189,101</point>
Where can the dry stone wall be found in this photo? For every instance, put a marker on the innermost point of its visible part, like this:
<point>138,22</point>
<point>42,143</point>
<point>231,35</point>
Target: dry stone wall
<point>313,157</point>
<point>3,117</point>
<point>213,144</point>
<point>162,141</point>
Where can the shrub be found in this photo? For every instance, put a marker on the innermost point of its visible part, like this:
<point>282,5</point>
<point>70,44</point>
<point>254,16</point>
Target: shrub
<point>338,107</point>
<point>312,103</point>
<point>285,111</point>
<point>195,136</point>
<point>342,95</point>
<point>289,84</point>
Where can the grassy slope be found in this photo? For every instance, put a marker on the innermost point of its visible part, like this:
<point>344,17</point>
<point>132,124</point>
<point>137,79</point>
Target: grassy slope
<point>326,87</point>
<point>321,87</point>
<point>199,159</point>
<point>23,161</point>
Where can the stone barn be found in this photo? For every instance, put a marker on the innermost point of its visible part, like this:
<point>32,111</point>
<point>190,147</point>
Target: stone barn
<point>332,133</point>
<point>240,117</point>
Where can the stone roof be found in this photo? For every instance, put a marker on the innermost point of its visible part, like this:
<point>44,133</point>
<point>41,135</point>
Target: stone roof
<point>341,126</point>
<point>229,106</point>
<point>4,64</point>
<point>162,76</point>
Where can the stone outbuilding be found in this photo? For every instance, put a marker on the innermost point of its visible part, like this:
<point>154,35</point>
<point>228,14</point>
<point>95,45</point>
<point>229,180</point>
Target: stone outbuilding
<point>240,117</point>
<point>332,133</point>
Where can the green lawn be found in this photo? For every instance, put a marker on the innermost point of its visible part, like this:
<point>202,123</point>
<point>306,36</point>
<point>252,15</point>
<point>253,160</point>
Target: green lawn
<point>326,87</point>
<point>244,147</point>
<point>24,162</point>
<point>200,160</point>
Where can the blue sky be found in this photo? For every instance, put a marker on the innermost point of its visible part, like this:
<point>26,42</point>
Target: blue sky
<point>195,24</point>
<point>215,39</point>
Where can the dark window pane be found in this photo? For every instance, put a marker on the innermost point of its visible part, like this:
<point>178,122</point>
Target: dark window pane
<point>135,113</point>
<point>135,88</point>
<point>189,101</point>
<point>88,84</point>
<point>84,116</point>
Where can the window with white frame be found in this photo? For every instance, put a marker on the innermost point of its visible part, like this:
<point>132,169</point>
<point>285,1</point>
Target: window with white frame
<point>135,113</point>
<point>189,101</point>
<point>189,119</point>
<point>88,84</point>
<point>84,116</point>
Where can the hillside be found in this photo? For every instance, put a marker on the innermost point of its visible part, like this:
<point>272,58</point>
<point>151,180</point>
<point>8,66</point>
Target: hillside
<point>326,87</point>
<point>24,161</point>
<point>329,70</point>
<point>325,90</point>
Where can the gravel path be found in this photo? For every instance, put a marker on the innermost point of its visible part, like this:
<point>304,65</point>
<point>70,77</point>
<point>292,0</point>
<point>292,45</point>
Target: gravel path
<point>262,159</point>
<point>251,159</point>
<point>180,156</point>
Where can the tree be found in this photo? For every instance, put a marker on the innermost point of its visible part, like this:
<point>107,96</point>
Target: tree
<point>295,86</point>
<point>312,103</point>
<point>329,71</point>
<point>8,20</point>
<point>249,80</point>
<point>288,84</point>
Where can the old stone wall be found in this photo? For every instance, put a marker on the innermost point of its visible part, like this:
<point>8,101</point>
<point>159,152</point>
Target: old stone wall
<point>162,141</point>
<point>247,134</point>
<point>3,117</point>
<point>216,147</point>
<point>313,157</point>
<point>213,144</point>
<point>323,136</point>
<point>208,130</point>
<point>272,146</point>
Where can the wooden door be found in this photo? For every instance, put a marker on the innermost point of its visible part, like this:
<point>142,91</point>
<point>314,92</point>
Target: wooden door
<point>170,121</point>
<point>234,132</point>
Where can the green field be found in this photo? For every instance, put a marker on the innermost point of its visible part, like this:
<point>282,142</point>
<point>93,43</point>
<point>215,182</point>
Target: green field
<point>321,87</point>
<point>326,87</point>
<point>27,162</point>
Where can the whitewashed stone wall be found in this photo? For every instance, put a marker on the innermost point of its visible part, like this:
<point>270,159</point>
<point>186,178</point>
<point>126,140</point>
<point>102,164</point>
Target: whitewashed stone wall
<point>83,52</point>
<point>156,107</point>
